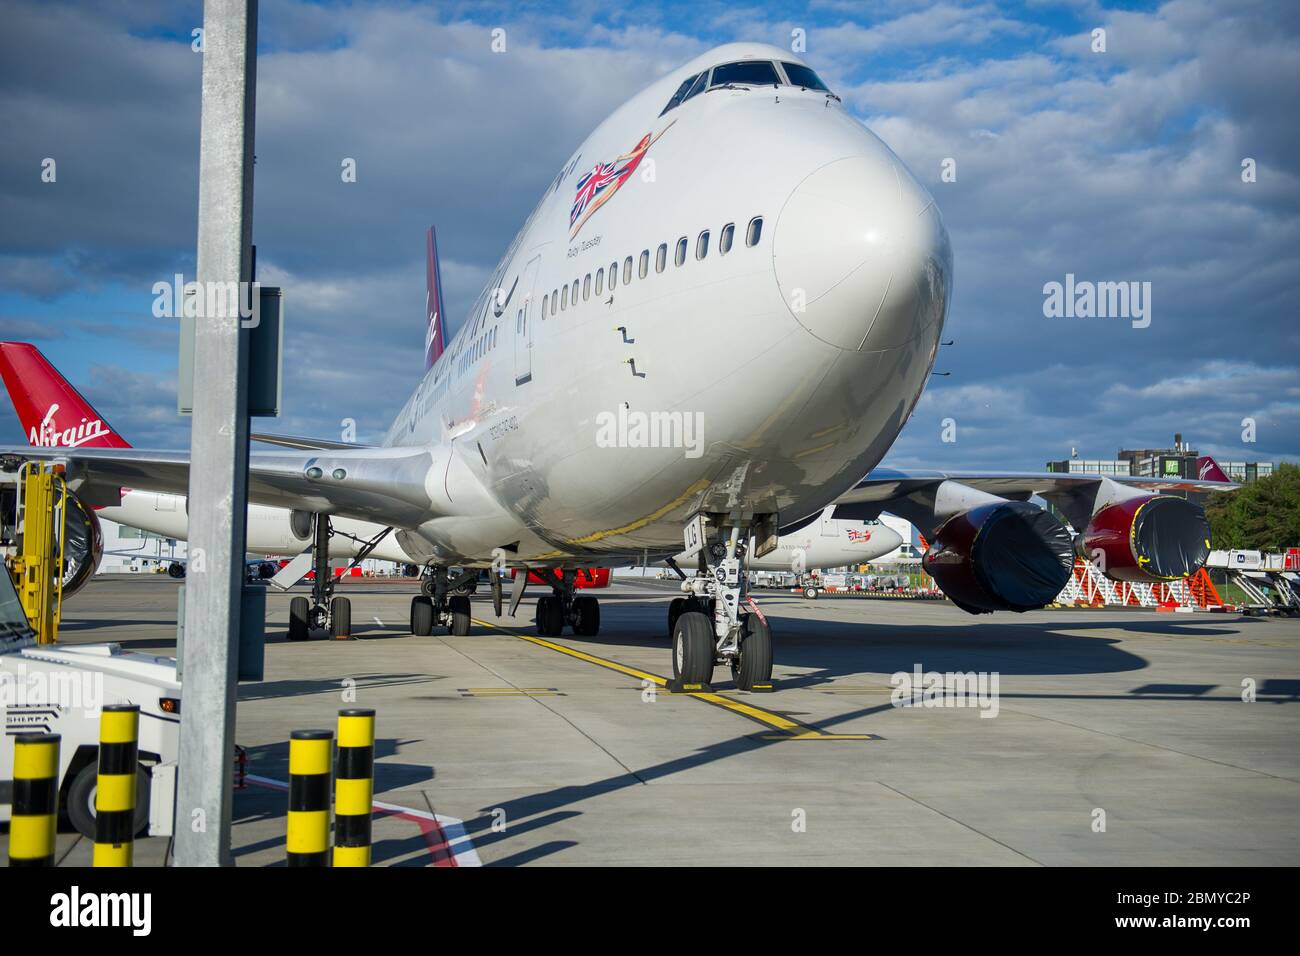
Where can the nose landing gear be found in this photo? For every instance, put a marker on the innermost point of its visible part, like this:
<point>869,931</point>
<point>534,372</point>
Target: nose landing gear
<point>709,627</point>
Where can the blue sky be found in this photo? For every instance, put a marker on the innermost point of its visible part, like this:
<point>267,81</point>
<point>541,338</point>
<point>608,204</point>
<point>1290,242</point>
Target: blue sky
<point>1114,166</point>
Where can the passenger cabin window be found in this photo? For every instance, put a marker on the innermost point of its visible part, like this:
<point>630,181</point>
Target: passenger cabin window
<point>661,257</point>
<point>745,73</point>
<point>555,299</point>
<point>564,299</point>
<point>586,287</point>
<point>613,275</point>
<point>754,231</point>
<point>800,75</point>
<point>574,294</point>
<point>644,266</point>
<point>600,279</point>
<point>725,237</point>
<point>680,256</point>
<point>702,245</point>
<point>627,270</point>
<point>545,299</point>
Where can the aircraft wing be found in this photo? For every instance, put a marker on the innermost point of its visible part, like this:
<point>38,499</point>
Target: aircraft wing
<point>384,485</point>
<point>914,495</point>
<point>305,444</point>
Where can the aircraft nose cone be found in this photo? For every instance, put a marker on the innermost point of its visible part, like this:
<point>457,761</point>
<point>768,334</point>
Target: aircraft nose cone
<point>861,255</point>
<point>889,538</point>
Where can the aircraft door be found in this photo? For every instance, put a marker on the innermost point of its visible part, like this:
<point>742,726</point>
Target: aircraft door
<point>527,313</point>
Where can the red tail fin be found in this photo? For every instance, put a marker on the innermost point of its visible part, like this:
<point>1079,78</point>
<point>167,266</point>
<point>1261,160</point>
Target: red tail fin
<point>51,411</point>
<point>1207,469</point>
<point>434,314</point>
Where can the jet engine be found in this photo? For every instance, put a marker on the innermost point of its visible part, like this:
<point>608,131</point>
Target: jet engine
<point>1001,556</point>
<point>1149,538</point>
<point>83,545</point>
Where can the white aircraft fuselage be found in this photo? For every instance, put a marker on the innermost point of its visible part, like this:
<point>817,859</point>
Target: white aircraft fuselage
<point>765,379</point>
<point>799,357</point>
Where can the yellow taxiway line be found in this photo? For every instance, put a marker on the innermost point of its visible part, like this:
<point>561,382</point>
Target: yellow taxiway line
<point>787,729</point>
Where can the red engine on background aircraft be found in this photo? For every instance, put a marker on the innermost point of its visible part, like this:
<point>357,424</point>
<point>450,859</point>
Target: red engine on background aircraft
<point>585,577</point>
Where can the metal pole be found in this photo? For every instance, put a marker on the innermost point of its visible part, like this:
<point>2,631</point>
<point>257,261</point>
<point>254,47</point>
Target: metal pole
<point>219,437</point>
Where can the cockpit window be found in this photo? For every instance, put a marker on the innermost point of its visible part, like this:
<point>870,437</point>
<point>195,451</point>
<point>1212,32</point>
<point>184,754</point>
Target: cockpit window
<point>749,72</point>
<point>801,75</point>
<point>697,86</point>
<point>746,73</point>
<point>681,93</point>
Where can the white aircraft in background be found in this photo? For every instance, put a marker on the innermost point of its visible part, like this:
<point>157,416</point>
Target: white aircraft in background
<point>716,320</point>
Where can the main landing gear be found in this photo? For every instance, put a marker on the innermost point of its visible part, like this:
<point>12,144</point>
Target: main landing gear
<point>323,611</point>
<point>561,607</point>
<point>708,627</point>
<point>444,601</point>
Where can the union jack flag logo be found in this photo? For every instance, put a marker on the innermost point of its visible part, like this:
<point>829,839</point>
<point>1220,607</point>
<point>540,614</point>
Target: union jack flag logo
<point>600,183</point>
<point>857,535</point>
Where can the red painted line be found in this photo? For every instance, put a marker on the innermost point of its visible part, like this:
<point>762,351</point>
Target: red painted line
<point>430,829</point>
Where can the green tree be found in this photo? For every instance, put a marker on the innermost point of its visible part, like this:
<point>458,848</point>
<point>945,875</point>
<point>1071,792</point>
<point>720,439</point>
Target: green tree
<point>1262,516</point>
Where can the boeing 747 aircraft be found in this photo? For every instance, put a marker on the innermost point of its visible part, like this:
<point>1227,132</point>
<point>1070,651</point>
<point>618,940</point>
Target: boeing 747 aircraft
<point>715,322</point>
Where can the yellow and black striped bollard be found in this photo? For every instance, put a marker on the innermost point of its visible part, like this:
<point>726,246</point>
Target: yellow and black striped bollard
<point>119,725</point>
<point>354,787</point>
<point>35,813</point>
<point>307,839</point>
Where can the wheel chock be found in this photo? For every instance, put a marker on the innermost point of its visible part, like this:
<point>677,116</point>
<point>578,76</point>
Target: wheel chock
<point>762,689</point>
<point>678,686</point>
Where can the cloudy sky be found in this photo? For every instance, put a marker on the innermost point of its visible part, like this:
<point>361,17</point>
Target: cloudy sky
<point>1122,165</point>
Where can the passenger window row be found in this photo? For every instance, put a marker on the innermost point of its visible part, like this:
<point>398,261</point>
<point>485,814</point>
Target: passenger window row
<point>559,300</point>
<point>477,349</point>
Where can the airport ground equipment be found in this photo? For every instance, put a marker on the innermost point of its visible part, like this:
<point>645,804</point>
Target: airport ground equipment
<point>1089,587</point>
<point>35,800</point>
<point>307,838</point>
<point>115,786</point>
<point>354,787</point>
<point>1254,571</point>
<point>61,689</point>
<point>36,559</point>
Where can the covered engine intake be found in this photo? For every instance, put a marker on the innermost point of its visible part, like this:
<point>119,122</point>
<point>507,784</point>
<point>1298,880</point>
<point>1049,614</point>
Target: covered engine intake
<point>1152,538</point>
<point>1001,556</point>
<point>83,545</point>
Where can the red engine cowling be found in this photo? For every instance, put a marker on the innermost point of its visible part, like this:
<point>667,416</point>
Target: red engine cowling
<point>1152,538</point>
<point>83,545</point>
<point>1003,556</point>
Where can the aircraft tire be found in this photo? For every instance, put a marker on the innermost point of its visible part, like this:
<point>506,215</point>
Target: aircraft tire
<point>340,617</point>
<point>299,611</point>
<point>754,666</point>
<point>459,605</point>
<point>693,648</point>
<point>676,608</point>
<point>550,616</point>
<point>421,616</point>
<point>586,610</point>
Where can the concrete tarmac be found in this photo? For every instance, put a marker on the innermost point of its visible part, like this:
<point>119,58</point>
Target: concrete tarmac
<point>1115,738</point>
